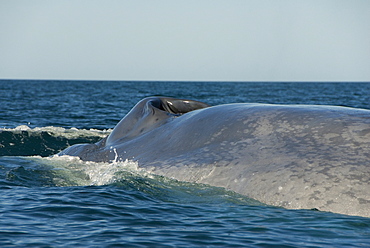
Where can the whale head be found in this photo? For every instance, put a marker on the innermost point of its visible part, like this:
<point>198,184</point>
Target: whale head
<point>149,114</point>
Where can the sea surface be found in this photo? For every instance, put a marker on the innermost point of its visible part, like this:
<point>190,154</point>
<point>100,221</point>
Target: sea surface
<point>63,202</point>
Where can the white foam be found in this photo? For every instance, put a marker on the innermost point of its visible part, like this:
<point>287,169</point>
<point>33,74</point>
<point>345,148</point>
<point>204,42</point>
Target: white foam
<point>85,173</point>
<point>22,128</point>
<point>60,131</point>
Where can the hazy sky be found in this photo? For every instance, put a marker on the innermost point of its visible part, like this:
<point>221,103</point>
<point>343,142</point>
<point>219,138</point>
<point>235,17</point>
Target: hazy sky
<point>231,40</point>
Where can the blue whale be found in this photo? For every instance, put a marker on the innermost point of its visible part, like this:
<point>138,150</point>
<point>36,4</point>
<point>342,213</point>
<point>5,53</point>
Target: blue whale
<point>292,156</point>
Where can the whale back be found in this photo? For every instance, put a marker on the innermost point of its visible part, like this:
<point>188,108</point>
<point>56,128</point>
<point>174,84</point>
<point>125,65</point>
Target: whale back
<point>289,156</point>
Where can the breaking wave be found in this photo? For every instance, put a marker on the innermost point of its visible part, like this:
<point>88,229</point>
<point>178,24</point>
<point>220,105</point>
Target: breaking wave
<point>44,141</point>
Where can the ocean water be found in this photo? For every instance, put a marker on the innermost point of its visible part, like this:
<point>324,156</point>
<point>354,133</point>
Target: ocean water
<point>64,202</point>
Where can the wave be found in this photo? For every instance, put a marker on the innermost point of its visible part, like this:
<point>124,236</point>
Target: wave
<point>61,171</point>
<point>44,141</point>
<point>68,171</point>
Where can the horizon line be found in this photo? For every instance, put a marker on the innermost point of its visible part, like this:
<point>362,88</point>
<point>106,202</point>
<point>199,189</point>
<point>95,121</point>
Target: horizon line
<point>190,81</point>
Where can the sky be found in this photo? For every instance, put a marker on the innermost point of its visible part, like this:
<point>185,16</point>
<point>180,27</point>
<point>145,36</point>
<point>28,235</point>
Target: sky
<point>192,40</point>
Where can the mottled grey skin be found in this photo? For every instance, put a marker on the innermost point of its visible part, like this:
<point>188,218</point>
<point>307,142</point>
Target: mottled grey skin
<point>294,156</point>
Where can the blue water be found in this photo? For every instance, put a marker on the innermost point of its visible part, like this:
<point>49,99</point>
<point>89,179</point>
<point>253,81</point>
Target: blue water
<point>59,202</point>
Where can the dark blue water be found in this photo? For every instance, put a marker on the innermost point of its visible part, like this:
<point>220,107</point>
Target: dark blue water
<point>59,202</point>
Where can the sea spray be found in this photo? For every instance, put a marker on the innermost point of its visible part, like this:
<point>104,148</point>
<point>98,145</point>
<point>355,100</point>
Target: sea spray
<point>86,173</point>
